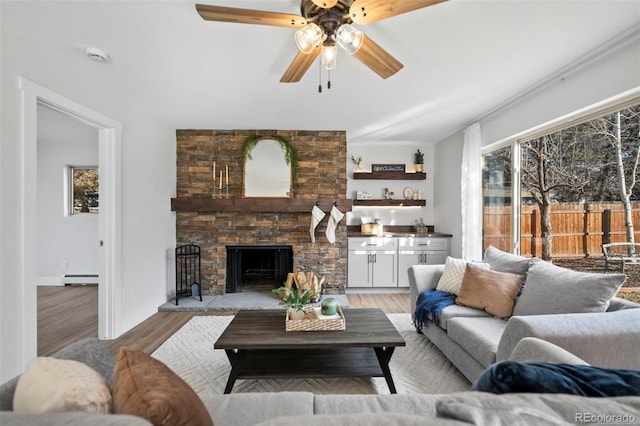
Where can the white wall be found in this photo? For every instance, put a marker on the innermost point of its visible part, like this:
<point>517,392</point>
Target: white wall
<point>391,152</point>
<point>62,141</point>
<point>148,183</point>
<point>447,214</point>
<point>608,75</point>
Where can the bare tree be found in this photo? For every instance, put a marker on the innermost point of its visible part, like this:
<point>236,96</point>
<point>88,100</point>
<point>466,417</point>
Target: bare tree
<point>552,163</point>
<point>624,140</point>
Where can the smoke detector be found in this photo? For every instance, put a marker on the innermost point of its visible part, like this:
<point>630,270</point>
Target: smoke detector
<point>96,54</point>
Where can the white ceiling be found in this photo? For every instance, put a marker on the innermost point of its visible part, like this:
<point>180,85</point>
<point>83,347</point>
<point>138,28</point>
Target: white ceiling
<point>462,58</point>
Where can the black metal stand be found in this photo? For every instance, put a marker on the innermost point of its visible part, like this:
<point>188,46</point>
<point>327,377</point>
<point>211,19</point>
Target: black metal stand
<point>188,271</point>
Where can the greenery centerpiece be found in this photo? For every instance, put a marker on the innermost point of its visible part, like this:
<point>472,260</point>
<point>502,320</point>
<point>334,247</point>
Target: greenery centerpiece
<point>418,161</point>
<point>293,300</point>
<point>299,289</point>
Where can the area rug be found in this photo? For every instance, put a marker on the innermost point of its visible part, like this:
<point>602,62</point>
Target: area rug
<point>418,367</point>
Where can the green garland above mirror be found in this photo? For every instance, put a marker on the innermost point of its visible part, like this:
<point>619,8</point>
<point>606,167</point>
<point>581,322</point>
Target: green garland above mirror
<point>290,153</point>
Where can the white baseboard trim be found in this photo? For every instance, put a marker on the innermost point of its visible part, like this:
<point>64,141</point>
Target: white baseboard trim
<point>49,281</point>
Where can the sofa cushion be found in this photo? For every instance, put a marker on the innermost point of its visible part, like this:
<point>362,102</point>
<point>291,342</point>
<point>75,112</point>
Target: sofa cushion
<point>480,408</point>
<point>415,403</point>
<point>491,291</point>
<point>550,289</point>
<point>454,269</point>
<point>455,311</point>
<point>545,377</point>
<point>238,409</point>
<point>58,385</point>
<point>10,418</point>
<point>145,387</point>
<point>362,419</point>
<point>506,262</point>
<point>478,336</point>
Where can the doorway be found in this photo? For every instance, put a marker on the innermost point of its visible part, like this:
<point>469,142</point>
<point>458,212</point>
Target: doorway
<point>68,213</point>
<point>109,146</point>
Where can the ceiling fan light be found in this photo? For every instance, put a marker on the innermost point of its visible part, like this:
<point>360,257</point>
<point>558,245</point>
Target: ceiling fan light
<point>309,37</point>
<point>329,56</point>
<point>349,38</point>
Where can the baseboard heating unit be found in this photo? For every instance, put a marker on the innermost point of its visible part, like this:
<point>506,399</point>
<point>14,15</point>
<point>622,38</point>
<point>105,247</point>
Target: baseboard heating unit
<point>80,279</point>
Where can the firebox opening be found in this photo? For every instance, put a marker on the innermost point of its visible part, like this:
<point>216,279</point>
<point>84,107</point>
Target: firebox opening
<point>257,267</point>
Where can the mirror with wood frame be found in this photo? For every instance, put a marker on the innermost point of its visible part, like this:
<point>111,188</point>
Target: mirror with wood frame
<point>267,173</point>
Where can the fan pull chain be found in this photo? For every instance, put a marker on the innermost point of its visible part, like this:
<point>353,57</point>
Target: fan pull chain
<point>319,76</point>
<point>329,79</point>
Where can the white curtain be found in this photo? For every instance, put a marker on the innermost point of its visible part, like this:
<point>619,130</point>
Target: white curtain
<point>471,194</point>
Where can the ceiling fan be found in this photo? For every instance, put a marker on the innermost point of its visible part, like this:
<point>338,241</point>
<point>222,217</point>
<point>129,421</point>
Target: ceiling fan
<point>322,25</point>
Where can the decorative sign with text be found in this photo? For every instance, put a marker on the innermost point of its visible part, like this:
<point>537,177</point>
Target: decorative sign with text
<point>388,168</point>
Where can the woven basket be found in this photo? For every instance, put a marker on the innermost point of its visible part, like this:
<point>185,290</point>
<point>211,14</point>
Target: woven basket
<point>331,324</point>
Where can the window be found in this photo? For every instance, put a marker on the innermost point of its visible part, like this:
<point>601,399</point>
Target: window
<point>565,189</point>
<point>82,189</point>
<point>497,194</point>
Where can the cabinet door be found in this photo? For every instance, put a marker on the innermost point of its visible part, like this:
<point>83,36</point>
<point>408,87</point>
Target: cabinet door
<point>359,270</point>
<point>407,258</point>
<point>436,257</point>
<point>384,269</point>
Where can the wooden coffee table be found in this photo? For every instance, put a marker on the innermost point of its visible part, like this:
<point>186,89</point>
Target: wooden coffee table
<point>258,347</point>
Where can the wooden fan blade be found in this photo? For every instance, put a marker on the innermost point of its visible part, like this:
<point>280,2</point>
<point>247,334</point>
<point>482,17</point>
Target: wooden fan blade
<point>367,11</point>
<point>377,59</point>
<point>248,16</point>
<point>299,66</point>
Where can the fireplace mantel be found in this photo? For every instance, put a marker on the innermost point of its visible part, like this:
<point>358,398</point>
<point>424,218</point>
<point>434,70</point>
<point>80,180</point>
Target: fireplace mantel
<point>194,204</point>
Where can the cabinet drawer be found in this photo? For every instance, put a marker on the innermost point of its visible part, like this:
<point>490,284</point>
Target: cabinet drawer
<point>424,243</point>
<point>372,243</point>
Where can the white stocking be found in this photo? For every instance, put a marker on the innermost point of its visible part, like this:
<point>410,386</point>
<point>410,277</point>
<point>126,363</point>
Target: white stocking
<point>334,217</point>
<point>316,216</point>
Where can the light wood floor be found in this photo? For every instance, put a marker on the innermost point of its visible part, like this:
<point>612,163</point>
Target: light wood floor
<point>67,314</point>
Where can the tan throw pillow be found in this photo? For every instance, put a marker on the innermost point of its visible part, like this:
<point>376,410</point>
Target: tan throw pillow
<point>145,387</point>
<point>491,291</point>
<point>454,270</point>
<point>59,385</point>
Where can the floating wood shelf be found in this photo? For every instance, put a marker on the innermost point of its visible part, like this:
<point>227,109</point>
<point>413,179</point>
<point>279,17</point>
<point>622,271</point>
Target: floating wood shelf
<point>192,204</point>
<point>390,175</point>
<point>398,203</point>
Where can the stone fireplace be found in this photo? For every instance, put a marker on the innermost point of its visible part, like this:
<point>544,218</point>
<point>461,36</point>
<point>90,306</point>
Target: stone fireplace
<point>268,223</point>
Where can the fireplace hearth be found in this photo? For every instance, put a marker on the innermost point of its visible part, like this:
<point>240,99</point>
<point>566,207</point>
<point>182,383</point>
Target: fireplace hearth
<point>257,267</point>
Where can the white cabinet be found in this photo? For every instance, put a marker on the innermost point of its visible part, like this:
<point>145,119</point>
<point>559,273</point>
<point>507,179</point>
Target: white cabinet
<point>372,262</point>
<point>420,251</point>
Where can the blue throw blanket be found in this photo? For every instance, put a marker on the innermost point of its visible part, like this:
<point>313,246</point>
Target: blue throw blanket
<point>431,301</point>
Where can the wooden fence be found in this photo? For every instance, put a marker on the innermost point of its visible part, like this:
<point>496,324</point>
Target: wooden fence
<point>578,230</point>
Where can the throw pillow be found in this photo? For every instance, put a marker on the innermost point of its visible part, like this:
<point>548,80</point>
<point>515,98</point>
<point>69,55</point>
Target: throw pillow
<point>506,262</point>
<point>491,291</point>
<point>59,385</point>
<point>454,270</point>
<point>550,289</point>
<point>145,387</point>
<point>543,377</point>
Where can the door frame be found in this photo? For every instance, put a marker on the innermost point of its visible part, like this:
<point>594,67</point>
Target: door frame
<point>110,222</point>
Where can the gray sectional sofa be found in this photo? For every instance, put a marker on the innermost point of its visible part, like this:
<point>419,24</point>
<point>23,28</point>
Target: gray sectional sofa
<point>472,339</point>
<point>296,408</point>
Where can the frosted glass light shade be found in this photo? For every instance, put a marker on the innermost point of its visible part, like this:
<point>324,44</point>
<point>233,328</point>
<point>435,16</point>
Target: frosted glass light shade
<point>328,56</point>
<point>349,38</point>
<point>309,37</point>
